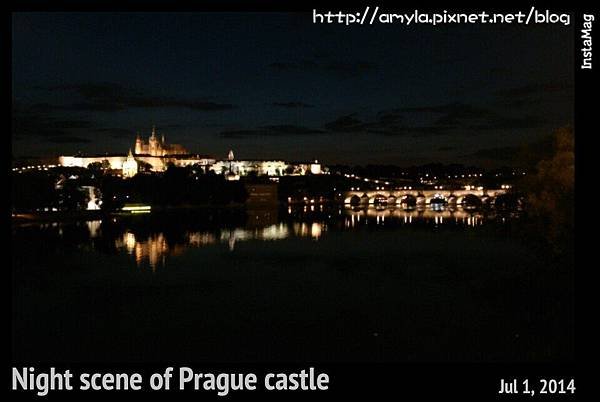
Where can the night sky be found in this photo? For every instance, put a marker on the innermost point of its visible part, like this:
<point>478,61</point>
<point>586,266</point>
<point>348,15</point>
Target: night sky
<point>275,85</point>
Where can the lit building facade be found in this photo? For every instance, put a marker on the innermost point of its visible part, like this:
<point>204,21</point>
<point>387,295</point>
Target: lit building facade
<point>130,166</point>
<point>157,146</point>
<point>156,155</point>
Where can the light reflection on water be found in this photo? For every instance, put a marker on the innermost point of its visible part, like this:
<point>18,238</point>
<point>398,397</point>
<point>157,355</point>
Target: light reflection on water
<point>154,246</point>
<point>438,216</point>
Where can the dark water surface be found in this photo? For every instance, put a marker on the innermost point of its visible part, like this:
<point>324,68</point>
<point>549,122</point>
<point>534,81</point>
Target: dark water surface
<point>290,285</point>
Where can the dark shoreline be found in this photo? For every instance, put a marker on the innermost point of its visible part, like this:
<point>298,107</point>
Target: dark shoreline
<point>73,216</point>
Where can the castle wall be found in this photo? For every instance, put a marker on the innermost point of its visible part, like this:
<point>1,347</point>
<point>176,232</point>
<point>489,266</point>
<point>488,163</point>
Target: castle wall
<point>159,155</point>
<point>116,162</point>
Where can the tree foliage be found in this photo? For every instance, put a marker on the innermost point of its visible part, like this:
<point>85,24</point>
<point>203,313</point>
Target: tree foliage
<point>550,190</point>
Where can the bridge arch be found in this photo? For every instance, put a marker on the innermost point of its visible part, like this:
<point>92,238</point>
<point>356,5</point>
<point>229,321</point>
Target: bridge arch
<point>486,200</point>
<point>353,200</point>
<point>438,199</point>
<point>471,201</point>
<point>408,201</point>
<point>378,199</point>
<point>422,198</point>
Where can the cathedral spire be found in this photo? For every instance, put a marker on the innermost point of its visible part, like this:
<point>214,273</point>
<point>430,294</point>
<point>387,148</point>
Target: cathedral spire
<point>153,131</point>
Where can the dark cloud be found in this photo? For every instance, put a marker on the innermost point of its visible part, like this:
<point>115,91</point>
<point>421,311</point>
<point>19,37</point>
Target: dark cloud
<point>390,116</point>
<point>94,106</point>
<point>348,123</point>
<point>523,97</point>
<point>527,154</point>
<point>292,105</point>
<point>49,129</point>
<point>292,129</point>
<point>293,66</point>
<point>426,130</point>
<point>496,154</point>
<point>508,123</point>
<point>68,139</point>
<point>342,68</point>
<point>500,71</point>
<point>110,97</point>
<point>451,113</point>
<point>242,133</point>
<point>533,89</point>
<point>469,118</point>
<point>433,120</point>
<point>272,130</point>
<point>350,67</point>
<point>389,123</point>
<point>116,132</point>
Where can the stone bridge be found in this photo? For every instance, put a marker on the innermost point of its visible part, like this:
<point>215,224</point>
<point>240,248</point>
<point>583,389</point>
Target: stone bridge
<point>421,197</point>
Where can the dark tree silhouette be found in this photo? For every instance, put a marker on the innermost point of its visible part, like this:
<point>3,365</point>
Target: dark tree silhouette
<point>550,191</point>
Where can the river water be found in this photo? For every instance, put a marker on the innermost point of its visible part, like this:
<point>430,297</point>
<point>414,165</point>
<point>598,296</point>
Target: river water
<point>298,284</point>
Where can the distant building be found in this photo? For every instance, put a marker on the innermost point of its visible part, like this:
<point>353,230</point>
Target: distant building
<point>157,147</point>
<point>130,166</point>
<point>315,167</point>
<point>157,155</point>
<point>114,162</point>
<point>246,167</point>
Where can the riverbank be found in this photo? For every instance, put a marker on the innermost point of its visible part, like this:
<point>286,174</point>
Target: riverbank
<point>87,215</point>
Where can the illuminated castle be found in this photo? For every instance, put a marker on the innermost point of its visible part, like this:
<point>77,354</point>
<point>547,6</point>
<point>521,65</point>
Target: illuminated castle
<point>156,155</point>
<point>157,147</point>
